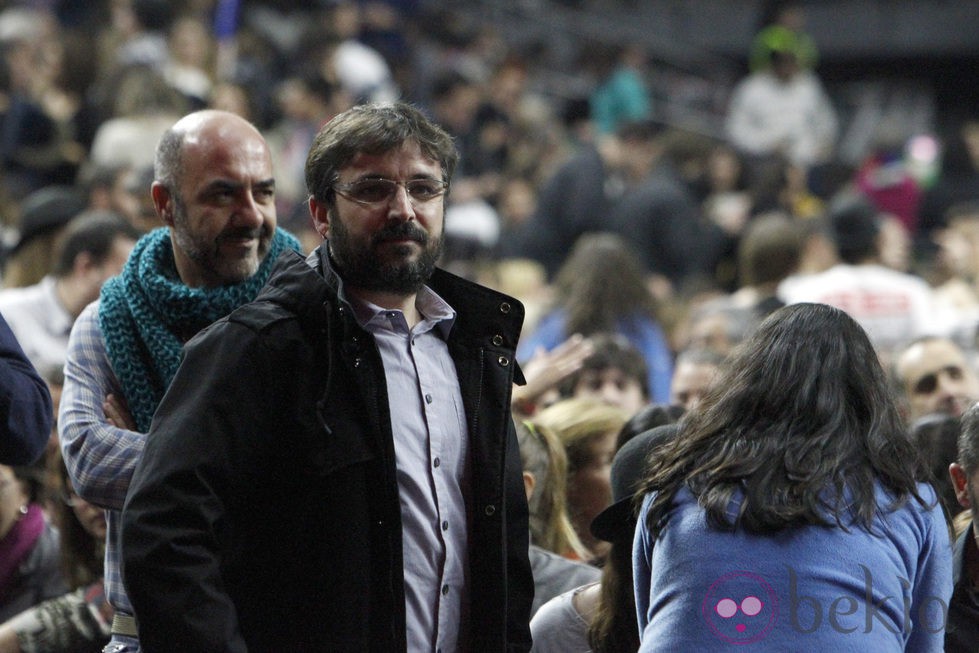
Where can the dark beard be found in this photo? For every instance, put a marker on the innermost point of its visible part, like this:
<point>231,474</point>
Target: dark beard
<point>359,267</point>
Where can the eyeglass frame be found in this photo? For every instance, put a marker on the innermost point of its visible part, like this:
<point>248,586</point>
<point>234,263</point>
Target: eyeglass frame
<point>343,189</point>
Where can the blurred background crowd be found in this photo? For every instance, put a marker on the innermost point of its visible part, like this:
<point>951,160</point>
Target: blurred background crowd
<point>650,178</point>
<point>673,127</point>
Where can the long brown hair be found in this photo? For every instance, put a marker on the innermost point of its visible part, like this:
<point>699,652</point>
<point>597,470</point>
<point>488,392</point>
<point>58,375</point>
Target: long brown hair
<point>801,422</point>
<point>614,628</point>
<point>81,554</point>
<point>602,283</point>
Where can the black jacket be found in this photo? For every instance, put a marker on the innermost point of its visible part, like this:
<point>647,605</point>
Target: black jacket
<point>572,202</point>
<point>26,415</point>
<point>660,218</point>
<point>264,514</point>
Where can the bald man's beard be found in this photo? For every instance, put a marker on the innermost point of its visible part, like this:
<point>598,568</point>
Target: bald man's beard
<point>207,253</point>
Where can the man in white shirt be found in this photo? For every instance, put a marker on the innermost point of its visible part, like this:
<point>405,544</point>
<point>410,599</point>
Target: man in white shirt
<point>783,109</point>
<point>936,376</point>
<point>93,248</point>
<point>893,307</point>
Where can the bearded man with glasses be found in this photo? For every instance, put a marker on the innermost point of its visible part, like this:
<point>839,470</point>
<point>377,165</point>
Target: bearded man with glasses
<point>335,467</point>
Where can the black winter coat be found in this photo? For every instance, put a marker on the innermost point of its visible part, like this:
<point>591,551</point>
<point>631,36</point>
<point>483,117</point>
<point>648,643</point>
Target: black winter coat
<point>264,514</point>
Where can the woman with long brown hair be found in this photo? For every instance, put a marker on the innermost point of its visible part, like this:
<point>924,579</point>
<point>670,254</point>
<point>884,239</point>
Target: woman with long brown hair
<point>789,510</point>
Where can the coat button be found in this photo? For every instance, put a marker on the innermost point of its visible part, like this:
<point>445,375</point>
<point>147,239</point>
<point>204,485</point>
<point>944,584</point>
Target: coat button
<point>503,361</point>
<point>497,340</point>
<point>505,307</point>
<point>490,510</point>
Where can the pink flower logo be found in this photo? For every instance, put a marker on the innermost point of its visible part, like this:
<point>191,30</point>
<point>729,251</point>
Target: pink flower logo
<point>740,607</point>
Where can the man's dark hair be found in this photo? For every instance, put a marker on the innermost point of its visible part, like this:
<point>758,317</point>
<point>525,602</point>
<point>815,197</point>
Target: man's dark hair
<point>770,249</point>
<point>448,83</point>
<point>153,15</point>
<point>641,131</point>
<point>968,442</point>
<point>855,224</point>
<point>936,437</point>
<point>94,176</point>
<point>575,110</point>
<point>373,129</point>
<point>612,351</point>
<point>93,233</point>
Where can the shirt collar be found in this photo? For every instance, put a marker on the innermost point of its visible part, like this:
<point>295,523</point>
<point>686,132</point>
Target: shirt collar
<point>435,311</point>
<point>60,319</point>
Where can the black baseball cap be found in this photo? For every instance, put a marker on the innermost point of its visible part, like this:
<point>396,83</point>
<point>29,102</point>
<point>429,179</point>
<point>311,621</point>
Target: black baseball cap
<point>46,210</point>
<point>617,522</point>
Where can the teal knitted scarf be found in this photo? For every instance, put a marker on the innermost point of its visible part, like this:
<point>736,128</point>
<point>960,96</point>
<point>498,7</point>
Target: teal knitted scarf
<point>146,314</point>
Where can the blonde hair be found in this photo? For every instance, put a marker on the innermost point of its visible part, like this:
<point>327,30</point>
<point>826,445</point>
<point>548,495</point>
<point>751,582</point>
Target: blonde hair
<point>578,422</point>
<point>542,455</point>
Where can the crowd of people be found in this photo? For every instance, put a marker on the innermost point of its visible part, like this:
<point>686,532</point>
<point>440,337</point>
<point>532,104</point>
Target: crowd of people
<point>332,310</point>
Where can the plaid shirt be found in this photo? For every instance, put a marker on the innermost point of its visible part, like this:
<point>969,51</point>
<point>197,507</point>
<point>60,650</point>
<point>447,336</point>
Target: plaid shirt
<point>100,457</point>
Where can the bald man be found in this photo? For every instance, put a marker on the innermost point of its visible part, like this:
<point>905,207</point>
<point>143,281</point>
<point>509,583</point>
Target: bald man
<point>936,377</point>
<point>215,192</point>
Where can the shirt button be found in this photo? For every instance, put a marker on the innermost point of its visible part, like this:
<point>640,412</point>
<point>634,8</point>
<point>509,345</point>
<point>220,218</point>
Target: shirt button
<point>445,526</point>
<point>436,462</point>
<point>445,590</point>
<point>428,399</point>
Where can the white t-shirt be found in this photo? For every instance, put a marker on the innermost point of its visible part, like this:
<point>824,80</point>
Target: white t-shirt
<point>766,115</point>
<point>893,307</point>
<point>39,322</point>
<point>558,628</point>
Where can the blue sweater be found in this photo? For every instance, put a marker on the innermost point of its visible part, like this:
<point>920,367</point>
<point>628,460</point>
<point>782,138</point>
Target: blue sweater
<point>805,589</point>
<point>643,333</point>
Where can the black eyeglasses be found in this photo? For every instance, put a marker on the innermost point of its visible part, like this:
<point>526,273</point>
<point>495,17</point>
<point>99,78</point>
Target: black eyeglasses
<point>378,190</point>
